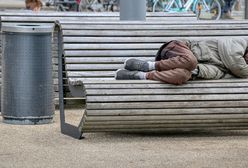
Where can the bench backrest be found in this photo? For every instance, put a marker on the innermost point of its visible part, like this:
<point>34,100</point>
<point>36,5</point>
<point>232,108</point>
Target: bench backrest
<point>88,16</point>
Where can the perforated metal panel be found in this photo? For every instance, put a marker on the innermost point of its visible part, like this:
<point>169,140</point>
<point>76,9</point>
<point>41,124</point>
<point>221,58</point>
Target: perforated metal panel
<point>27,85</point>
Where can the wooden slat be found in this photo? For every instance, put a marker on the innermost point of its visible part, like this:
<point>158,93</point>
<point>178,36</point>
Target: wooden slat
<point>234,81</point>
<point>136,39</point>
<point>93,66</point>
<point>177,91</point>
<point>79,82</point>
<point>102,60</point>
<point>167,117</point>
<point>181,121</point>
<point>111,46</point>
<point>151,98</point>
<point>154,33</point>
<point>84,74</point>
<point>167,105</point>
<point>155,27</point>
<point>108,53</point>
<point>106,83</point>
<point>153,130</point>
<point>173,22</point>
<point>162,86</point>
<point>154,126</point>
<point>144,112</point>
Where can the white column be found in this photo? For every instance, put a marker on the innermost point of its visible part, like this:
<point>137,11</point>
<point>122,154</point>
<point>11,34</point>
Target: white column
<point>133,10</point>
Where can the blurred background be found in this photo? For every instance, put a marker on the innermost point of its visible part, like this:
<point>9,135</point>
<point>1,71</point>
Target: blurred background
<point>98,7</point>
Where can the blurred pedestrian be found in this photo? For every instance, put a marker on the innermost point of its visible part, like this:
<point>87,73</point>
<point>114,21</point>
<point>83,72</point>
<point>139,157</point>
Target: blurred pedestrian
<point>34,5</point>
<point>227,9</point>
<point>237,5</point>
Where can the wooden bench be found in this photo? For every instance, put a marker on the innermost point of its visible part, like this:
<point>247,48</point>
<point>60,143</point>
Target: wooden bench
<point>92,52</point>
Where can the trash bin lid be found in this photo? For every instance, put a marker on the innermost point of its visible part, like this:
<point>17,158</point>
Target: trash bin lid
<point>28,28</point>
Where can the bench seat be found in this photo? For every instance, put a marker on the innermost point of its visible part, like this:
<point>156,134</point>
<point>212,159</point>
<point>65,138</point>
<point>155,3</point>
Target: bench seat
<point>134,106</point>
<point>150,106</point>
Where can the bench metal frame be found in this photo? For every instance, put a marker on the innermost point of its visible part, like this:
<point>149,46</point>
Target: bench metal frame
<point>66,128</point>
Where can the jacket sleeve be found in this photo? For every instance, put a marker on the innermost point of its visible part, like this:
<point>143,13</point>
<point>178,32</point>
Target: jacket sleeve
<point>208,71</point>
<point>232,52</point>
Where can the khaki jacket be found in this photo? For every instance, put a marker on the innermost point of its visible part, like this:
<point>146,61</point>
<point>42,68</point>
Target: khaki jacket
<point>220,58</point>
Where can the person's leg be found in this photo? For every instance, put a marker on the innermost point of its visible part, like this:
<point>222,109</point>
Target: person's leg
<point>226,11</point>
<point>227,6</point>
<point>175,67</point>
<point>188,62</point>
<point>166,71</point>
<point>232,2</point>
<point>174,76</point>
<point>175,70</point>
<point>175,55</point>
<point>123,74</point>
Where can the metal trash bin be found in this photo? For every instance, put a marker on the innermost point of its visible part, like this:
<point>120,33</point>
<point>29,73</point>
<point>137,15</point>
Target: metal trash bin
<point>27,87</point>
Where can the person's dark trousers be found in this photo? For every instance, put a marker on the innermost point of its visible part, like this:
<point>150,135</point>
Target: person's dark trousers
<point>175,64</point>
<point>228,6</point>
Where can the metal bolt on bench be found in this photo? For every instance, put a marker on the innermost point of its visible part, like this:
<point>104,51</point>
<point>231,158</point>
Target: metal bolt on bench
<point>27,74</point>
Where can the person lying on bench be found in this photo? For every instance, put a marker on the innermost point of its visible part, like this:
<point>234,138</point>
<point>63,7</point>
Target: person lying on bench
<point>176,62</point>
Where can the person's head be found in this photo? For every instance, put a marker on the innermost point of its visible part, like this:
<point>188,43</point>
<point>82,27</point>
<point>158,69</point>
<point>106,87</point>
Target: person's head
<point>34,5</point>
<point>246,55</point>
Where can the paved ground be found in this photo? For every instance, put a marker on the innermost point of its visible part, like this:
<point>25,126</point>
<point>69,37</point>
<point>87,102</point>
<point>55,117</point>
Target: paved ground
<point>44,146</point>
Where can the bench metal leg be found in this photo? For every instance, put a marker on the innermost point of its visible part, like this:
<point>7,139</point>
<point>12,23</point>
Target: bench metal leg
<point>66,128</point>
